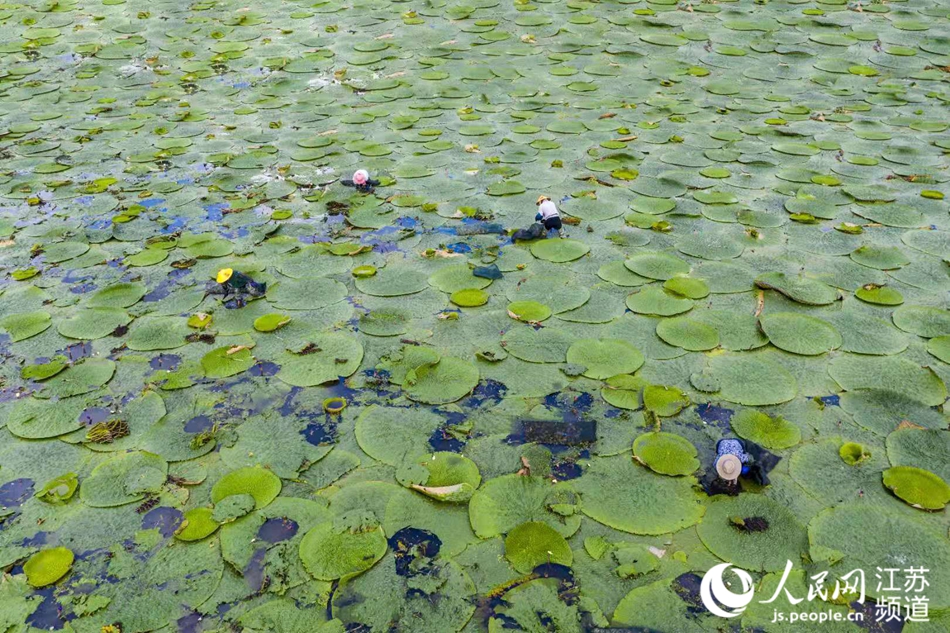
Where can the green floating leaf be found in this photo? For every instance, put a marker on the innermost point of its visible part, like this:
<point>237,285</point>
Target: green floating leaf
<point>505,502</point>
<point>60,489</point>
<point>664,401</point>
<point>559,250</point>
<point>529,311</point>
<point>604,358</point>
<point>771,432</point>
<point>227,361</point>
<point>534,543</point>
<point>919,488</point>
<point>446,381</point>
<point>662,266</point>
<point>125,478</point>
<point>653,504</point>
<point>753,532</point>
<point>258,482</point>
<point>752,380</point>
<point>442,476</point>
<point>331,550</point>
<point>799,289</point>
<point>879,295</point>
<point>687,333</point>
<point>895,374</point>
<point>47,566</point>
<point>45,370</point>
<point>82,377</point>
<point>924,321</point>
<point>469,297</point>
<point>666,453</point>
<point>800,333</point>
<point>196,525</point>
<point>25,324</point>
<point>270,322</point>
<point>623,391</point>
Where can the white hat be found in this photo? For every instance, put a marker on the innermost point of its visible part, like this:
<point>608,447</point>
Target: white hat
<point>729,467</point>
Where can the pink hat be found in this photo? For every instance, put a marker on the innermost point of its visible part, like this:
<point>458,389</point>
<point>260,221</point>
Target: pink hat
<point>361,176</point>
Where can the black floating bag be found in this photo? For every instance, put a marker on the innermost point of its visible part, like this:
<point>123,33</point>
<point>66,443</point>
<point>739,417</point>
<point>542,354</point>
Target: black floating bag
<point>533,232</point>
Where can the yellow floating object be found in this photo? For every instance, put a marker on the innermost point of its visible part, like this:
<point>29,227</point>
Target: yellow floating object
<point>334,405</point>
<point>224,274</point>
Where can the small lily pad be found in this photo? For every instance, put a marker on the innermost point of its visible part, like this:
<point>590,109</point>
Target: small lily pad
<point>529,311</point>
<point>258,482</point>
<point>197,524</point>
<point>771,432</point>
<point>469,297</point>
<point>47,566</point>
<point>534,543</point>
<point>270,322</point>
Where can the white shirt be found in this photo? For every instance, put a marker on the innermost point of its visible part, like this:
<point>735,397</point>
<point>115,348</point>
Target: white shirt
<point>548,210</point>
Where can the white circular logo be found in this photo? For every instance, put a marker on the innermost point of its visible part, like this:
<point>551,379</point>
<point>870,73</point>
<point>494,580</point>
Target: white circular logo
<point>714,592</point>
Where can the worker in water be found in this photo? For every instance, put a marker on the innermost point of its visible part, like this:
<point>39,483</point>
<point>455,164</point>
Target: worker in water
<point>237,287</point>
<point>548,215</point>
<point>362,182</point>
<point>737,458</point>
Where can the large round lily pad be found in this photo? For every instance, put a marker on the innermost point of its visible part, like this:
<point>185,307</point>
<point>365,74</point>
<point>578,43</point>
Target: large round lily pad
<point>93,323</point>
<point>603,358</point>
<point>800,333</point>
<point>657,265</point>
<point>649,504</point>
<point>456,277</point>
<point>858,536</point>
<point>752,379</point>
<point>324,359</point>
<point>393,281</point>
<point>23,325</point>
<point>125,478</point>
<point>688,333</point>
<point>535,543</point>
<point>505,502</point>
<point>919,488</point>
<point>890,373</point>
<point>335,549</point>
<point>771,432</point>
<point>666,453</point>
<point>306,294</point>
<point>559,250</point>
<point>924,321</point>
<point>923,448</point>
<point>260,483</point>
<point>544,345</point>
<point>393,435</point>
<point>48,565</point>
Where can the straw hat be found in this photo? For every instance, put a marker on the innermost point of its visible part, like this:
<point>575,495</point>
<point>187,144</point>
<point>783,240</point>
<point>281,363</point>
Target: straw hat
<point>729,467</point>
<point>541,199</point>
<point>224,274</point>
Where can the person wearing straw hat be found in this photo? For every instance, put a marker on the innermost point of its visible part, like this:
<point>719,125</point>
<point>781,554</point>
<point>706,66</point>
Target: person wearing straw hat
<point>737,458</point>
<point>548,215</point>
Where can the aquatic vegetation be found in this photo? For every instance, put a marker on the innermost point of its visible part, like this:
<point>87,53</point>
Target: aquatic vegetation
<point>237,394</point>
